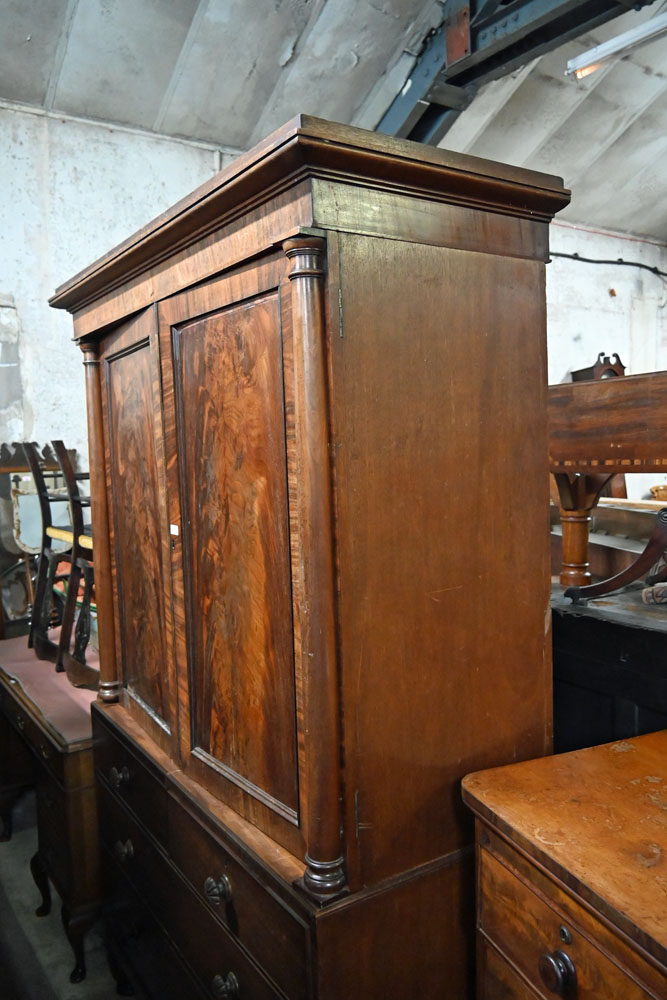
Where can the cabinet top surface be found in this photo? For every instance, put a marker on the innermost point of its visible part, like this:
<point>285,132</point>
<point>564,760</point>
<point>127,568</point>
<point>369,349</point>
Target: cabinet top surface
<point>309,147</point>
<point>596,819</point>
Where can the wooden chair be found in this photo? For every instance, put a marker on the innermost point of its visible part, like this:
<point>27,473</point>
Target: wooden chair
<point>73,661</point>
<point>77,555</point>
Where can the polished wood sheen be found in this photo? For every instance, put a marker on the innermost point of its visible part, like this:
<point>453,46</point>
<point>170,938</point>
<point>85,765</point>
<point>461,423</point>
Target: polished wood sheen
<point>231,421</point>
<point>137,530</point>
<point>331,375</point>
<point>108,681</point>
<point>564,871</point>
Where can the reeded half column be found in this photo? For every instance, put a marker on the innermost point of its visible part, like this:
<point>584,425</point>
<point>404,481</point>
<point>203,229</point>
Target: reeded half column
<point>108,684</point>
<point>324,874</point>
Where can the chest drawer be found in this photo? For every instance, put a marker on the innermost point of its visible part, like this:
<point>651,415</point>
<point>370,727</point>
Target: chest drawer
<point>138,785</point>
<point>248,910</point>
<point>500,980</point>
<point>220,966</point>
<point>52,828</point>
<point>33,736</point>
<point>533,933</point>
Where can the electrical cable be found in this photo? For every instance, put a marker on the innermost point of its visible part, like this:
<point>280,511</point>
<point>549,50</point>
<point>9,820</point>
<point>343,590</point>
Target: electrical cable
<point>618,262</point>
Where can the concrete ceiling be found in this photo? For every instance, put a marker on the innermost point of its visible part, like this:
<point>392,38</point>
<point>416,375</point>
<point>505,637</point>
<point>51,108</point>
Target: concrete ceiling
<point>229,71</point>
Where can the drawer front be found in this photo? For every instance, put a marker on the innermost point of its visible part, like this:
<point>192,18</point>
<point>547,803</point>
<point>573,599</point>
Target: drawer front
<point>209,950</point>
<point>17,763</point>
<point>68,839</point>
<point>133,850</point>
<point>35,738</point>
<point>53,832</point>
<point>138,946</point>
<point>276,939</point>
<point>140,787</point>
<point>530,932</point>
<point>497,979</point>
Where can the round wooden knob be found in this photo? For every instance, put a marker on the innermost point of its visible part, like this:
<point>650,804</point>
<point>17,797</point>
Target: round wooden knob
<point>558,973</point>
<point>225,988</point>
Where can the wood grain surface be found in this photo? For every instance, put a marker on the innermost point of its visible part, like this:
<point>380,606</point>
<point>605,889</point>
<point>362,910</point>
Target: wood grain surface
<point>133,432</point>
<point>234,475</point>
<point>611,425</point>
<point>596,819</point>
<point>438,401</point>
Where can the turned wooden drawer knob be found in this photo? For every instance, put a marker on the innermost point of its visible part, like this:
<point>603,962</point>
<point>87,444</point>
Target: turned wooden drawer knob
<point>225,988</point>
<point>124,851</point>
<point>117,778</point>
<point>558,973</point>
<point>218,890</point>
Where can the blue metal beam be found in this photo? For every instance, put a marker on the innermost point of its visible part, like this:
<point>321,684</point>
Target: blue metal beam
<point>479,41</point>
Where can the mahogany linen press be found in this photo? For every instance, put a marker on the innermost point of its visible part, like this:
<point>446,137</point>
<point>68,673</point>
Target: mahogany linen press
<point>316,400</point>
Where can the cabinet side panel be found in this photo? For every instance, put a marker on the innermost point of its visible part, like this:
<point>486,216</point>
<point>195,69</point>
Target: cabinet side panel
<point>439,382</point>
<point>137,533</point>
<point>231,424</point>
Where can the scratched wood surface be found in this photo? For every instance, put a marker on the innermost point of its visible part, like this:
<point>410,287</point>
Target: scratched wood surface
<point>597,818</point>
<point>234,476</point>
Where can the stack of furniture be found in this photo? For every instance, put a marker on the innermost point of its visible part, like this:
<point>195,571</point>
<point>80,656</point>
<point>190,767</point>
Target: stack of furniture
<point>571,897</point>
<point>77,557</point>
<point>312,388</point>
<point>45,724</point>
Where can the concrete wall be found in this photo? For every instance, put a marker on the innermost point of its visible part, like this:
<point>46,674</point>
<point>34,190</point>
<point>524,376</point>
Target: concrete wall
<point>606,307</point>
<point>69,191</point>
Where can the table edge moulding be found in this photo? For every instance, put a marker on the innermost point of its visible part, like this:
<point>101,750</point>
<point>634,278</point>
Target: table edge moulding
<point>286,375</point>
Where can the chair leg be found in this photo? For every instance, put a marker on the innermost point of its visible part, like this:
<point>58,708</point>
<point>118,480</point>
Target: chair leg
<point>43,646</point>
<point>38,598</point>
<point>79,672</point>
<point>68,614</point>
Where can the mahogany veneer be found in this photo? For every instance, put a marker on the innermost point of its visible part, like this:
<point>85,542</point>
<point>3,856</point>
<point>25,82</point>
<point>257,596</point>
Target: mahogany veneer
<point>311,386</point>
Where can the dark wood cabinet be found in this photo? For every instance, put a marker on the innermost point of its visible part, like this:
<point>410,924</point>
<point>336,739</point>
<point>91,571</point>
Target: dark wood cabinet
<point>312,387</point>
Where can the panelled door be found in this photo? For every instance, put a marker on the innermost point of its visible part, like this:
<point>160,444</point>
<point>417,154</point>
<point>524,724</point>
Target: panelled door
<point>229,413</point>
<point>130,383</point>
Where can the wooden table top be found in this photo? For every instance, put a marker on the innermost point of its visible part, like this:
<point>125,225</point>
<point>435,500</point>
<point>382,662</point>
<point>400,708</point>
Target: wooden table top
<point>596,819</point>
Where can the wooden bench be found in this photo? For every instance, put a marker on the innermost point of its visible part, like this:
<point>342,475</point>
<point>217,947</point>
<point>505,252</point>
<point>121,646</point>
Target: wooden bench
<point>598,429</point>
<point>46,742</point>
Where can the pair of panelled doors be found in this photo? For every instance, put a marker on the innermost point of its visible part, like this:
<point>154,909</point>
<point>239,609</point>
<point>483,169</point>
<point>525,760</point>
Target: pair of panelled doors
<point>198,399</point>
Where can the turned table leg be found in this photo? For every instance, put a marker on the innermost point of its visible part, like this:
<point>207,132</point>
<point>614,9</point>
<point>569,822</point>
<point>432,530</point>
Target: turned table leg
<point>579,493</point>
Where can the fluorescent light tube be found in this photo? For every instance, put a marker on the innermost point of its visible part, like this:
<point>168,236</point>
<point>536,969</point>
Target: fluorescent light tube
<point>584,64</point>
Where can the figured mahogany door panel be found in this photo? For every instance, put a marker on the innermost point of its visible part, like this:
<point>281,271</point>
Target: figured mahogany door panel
<point>138,519</point>
<point>230,416</point>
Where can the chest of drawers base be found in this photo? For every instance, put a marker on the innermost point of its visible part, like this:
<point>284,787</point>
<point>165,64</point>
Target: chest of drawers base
<point>190,898</point>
